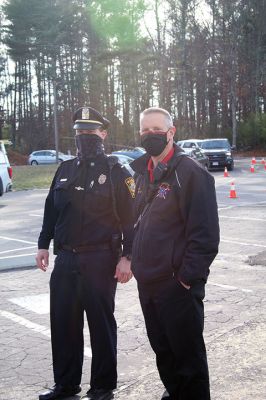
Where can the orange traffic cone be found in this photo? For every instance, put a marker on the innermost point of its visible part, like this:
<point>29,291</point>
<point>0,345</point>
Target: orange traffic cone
<point>252,168</point>
<point>232,194</point>
<point>263,161</point>
<point>225,172</point>
<point>253,160</point>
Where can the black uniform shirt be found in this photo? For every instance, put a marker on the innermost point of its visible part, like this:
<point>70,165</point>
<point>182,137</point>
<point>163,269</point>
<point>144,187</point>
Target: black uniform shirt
<point>79,208</point>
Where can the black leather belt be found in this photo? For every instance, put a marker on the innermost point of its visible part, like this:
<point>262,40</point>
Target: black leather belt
<point>88,247</point>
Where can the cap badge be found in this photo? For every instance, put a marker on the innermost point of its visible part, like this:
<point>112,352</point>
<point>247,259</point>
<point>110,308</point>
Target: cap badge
<point>102,179</point>
<point>85,113</point>
<point>79,188</point>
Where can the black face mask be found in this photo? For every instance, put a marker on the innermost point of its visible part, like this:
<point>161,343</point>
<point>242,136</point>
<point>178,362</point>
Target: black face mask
<point>154,143</point>
<point>89,146</point>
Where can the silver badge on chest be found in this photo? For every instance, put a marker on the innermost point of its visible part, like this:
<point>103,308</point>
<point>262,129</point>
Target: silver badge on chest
<point>102,179</point>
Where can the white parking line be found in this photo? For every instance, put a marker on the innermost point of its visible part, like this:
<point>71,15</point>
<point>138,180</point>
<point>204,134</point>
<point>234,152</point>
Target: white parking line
<point>18,255</point>
<point>243,219</point>
<point>35,215</point>
<point>239,193</point>
<point>34,327</point>
<point>228,287</point>
<point>25,322</point>
<point>16,240</point>
<point>19,249</point>
<point>38,303</point>
<point>243,243</point>
<point>225,207</point>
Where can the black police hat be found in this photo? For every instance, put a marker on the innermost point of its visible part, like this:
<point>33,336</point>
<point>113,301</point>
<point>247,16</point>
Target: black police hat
<point>89,118</point>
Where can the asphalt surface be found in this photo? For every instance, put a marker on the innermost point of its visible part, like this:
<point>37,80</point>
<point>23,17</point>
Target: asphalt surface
<point>234,305</point>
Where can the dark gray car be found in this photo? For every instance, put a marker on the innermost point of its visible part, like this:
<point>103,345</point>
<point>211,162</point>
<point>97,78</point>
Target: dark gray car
<point>219,153</point>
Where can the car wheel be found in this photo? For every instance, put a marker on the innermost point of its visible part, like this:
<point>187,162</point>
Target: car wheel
<point>34,162</point>
<point>1,188</point>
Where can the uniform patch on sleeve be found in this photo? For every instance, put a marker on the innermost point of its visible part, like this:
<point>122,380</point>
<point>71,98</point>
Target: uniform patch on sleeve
<point>131,186</point>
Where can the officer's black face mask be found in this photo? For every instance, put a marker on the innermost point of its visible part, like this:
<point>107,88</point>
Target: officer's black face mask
<point>154,143</point>
<point>89,146</point>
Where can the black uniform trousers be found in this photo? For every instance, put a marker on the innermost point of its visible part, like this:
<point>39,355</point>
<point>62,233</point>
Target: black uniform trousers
<point>84,282</point>
<point>174,318</point>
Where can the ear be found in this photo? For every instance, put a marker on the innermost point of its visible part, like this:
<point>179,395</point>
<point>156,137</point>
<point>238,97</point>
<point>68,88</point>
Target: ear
<point>171,132</point>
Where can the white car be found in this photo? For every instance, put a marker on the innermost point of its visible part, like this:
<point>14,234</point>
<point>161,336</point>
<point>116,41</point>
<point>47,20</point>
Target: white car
<point>189,144</point>
<point>47,157</point>
<point>5,171</point>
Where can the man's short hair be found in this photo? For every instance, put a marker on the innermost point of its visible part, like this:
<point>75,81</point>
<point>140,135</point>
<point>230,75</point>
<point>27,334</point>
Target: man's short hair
<point>150,110</point>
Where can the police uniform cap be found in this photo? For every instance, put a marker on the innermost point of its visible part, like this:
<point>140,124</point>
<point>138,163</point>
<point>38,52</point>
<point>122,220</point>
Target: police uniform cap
<point>87,118</point>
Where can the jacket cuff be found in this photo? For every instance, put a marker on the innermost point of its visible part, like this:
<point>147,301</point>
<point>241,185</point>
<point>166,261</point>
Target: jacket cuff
<point>43,244</point>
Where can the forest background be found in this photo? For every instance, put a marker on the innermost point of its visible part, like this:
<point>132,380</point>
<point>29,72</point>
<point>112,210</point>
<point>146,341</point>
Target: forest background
<point>203,60</point>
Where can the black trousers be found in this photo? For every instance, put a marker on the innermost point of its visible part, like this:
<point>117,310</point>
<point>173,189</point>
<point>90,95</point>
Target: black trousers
<point>174,318</point>
<point>84,282</point>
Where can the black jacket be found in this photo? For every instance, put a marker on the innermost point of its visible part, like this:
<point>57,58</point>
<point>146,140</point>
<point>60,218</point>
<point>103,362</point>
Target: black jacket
<point>179,231</point>
<point>88,203</point>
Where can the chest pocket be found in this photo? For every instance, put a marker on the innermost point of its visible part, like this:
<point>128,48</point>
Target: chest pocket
<point>99,195</point>
<point>62,194</point>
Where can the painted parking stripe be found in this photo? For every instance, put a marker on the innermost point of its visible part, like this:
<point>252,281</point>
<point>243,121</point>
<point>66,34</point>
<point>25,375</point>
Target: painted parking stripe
<point>243,243</point>
<point>243,219</point>
<point>16,240</point>
<point>19,249</point>
<point>229,287</point>
<point>34,327</point>
<point>38,303</point>
<point>254,192</point>
<point>18,256</point>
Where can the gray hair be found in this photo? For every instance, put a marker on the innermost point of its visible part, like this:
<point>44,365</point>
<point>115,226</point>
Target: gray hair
<point>150,110</point>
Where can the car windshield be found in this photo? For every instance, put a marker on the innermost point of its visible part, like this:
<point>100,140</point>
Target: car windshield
<point>215,144</point>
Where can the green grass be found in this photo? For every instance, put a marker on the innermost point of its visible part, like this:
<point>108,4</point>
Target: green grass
<point>32,177</point>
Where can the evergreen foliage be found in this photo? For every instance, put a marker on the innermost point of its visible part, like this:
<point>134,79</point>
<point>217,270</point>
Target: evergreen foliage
<point>203,60</point>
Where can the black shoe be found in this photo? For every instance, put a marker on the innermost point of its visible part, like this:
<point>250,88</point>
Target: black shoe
<point>165,396</point>
<point>98,394</point>
<point>60,392</point>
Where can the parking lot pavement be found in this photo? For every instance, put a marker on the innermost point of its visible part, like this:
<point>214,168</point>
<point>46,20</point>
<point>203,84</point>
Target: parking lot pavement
<point>234,305</point>
<point>21,218</point>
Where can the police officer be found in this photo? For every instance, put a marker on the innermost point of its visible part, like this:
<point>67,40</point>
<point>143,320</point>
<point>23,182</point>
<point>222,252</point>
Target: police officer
<point>176,240</point>
<point>87,212</point>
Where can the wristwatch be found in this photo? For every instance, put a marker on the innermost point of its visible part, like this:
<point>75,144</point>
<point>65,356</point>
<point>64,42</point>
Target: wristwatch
<point>128,257</point>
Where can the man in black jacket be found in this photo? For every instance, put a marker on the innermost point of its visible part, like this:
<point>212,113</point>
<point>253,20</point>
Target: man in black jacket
<point>176,240</point>
<point>87,210</point>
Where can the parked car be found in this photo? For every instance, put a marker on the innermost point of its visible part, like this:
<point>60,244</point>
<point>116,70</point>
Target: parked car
<point>219,153</point>
<point>5,171</point>
<point>189,144</point>
<point>133,153</point>
<point>47,157</point>
<point>125,161</point>
<point>199,156</point>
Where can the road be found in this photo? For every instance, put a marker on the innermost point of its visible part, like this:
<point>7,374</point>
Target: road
<point>235,302</point>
